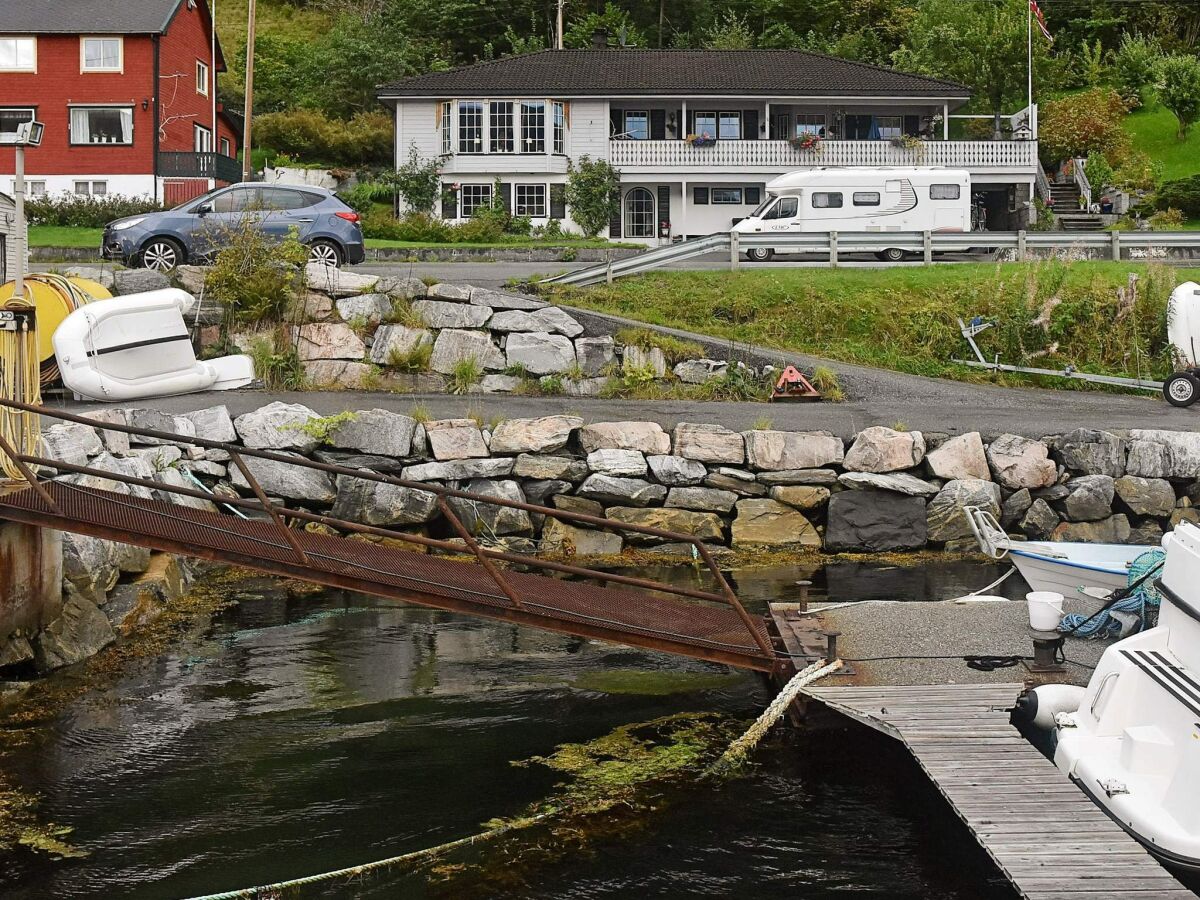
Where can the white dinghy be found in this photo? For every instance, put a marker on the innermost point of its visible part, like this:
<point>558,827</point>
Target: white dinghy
<point>137,346</point>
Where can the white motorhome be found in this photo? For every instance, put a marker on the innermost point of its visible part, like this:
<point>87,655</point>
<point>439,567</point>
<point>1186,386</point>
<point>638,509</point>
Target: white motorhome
<point>862,199</point>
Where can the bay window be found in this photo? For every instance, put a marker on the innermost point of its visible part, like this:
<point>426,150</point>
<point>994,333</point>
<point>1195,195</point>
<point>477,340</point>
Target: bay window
<point>101,124</point>
<point>470,126</point>
<point>500,126</point>
<point>533,126</point>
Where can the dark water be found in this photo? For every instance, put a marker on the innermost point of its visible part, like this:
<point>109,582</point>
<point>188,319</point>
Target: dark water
<point>307,733</point>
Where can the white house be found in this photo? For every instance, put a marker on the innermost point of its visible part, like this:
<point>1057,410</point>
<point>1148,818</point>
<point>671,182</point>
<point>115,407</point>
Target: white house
<point>520,121</point>
<point>8,237</point>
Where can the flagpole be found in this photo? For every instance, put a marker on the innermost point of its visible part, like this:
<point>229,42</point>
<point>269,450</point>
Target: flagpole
<point>1029,50</point>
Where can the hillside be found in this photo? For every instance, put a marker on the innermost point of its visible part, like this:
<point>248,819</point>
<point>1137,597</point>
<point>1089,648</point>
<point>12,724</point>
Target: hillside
<point>275,17</point>
<point>1153,131</point>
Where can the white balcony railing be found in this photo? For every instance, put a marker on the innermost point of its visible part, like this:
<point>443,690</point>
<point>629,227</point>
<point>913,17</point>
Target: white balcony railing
<point>977,156</point>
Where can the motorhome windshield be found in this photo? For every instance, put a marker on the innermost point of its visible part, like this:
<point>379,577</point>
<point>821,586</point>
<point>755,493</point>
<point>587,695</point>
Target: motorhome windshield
<point>784,209</point>
<point>762,206</point>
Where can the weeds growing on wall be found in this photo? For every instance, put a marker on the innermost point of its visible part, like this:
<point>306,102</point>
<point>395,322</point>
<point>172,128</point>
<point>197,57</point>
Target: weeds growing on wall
<point>255,279</point>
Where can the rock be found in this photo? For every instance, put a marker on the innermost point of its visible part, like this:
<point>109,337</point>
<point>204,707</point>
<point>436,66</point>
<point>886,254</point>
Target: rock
<point>875,521</point>
<point>485,519</point>
<point>135,466</point>
<point>327,340</point>
<point>1052,493</point>
<point>454,346</point>
<point>801,496</point>
<point>455,439</point>
<point>376,503</point>
<point>370,309</point>
<point>213,423</point>
<point>1090,498</point>
<point>412,382</point>
<point>339,373</point>
<point>1170,454</point>
<point>1018,462</point>
<point>629,463</point>
<point>118,441</point>
<point>560,537</point>
<point>191,278</point>
<point>777,450</point>
<point>71,443</point>
<point>615,491</point>
<point>204,467</point>
<point>89,566</point>
<point>528,465</point>
<point>153,420</point>
<point>595,354</point>
<point>944,517</point>
<point>540,353</point>
<point>175,478</point>
<point>317,306</point>
<point>709,443</point>
<point>439,314</point>
<point>157,458</point>
<point>572,503</point>
<point>1148,459</point>
<point>1145,496</point>
<point>16,650</point>
<point>402,286</point>
<point>702,498</point>
<point>460,469</point>
<point>584,387</point>
<point>675,470</point>
<point>501,300</point>
<point>541,435</point>
<point>498,384</point>
<point>81,631</point>
<point>277,426</point>
<point>515,320</point>
<point>1113,530</point>
<point>446,291</point>
<point>138,281</point>
<point>640,358</point>
<point>394,343</point>
<point>724,482</point>
<point>1148,532</point>
<point>703,525</point>
<point>338,282</point>
<point>376,431</point>
<point>384,464</point>
<point>698,371</point>
<point>768,523</point>
<point>880,449</point>
<point>1185,514</point>
<point>291,482</point>
<point>899,482</point>
<point>1015,507</point>
<point>647,437</point>
<point>539,491</point>
<point>959,457</point>
<point>1039,521</point>
<point>1092,452</point>
<point>555,321</point>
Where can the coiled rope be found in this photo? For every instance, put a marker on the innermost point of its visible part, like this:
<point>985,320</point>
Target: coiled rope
<point>20,379</point>
<point>1139,598</point>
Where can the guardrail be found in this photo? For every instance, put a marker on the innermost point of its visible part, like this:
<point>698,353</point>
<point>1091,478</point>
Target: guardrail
<point>1115,245</point>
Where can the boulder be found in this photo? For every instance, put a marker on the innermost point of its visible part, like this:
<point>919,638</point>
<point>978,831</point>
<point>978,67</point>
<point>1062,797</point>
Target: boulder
<point>804,497</point>
<point>540,491</point>
<point>645,358</point>
<point>71,442</point>
<point>317,306</point>
<point>880,449</point>
<point>541,435</point>
<point>584,387</point>
<point>82,630</point>
<point>724,481</point>
<point>118,441</point>
<point>769,523</point>
<point>875,521</point>
<point>138,281</point>
<point>455,439</point>
<point>612,490</point>
<point>561,537</point>
<point>581,505</point>
<point>501,300</point>
<point>899,482</point>
<point>540,353</point>
<point>485,519</point>
<point>824,477</point>
<point>529,465</point>
<point>705,499</point>
<point>675,470</point>
<point>370,309</point>
<point>212,423</point>
<point>338,282</point>
<point>1164,454</point>
<point>1092,452</point>
<point>1014,508</point>
<point>397,342</point>
<point>698,371</point>
<point>376,431</point>
<point>1145,496</point>
<point>446,291</point>
<point>1148,532</point>
<point>777,450</point>
<point>555,321</point>
<point>498,384</point>
<point>291,482</point>
<point>384,464</point>
<point>439,314</point>
<point>153,420</point>
<point>709,443</point>
<point>277,426</point>
<point>376,503</point>
<point>136,466</point>
<point>175,478</point>
<point>459,469</point>
<point>944,517</point>
<point>455,345</point>
<point>327,340</point>
<point>1039,521</point>
<point>1112,530</point>
<point>1184,514</point>
<point>646,437</point>
<point>89,566</point>
<point>1090,498</point>
<point>515,320</point>
<point>703,525</point>
<point>595,354</point>
<point>630,463</point>
<point>959,457</point>
<point>191,278</point>
<point>339,373</point>
<point>1018,462</point>
<point>402,286</point>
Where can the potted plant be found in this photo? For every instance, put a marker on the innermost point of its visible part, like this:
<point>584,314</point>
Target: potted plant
<point>701,140</point>
<point>906,141</point>
<point>807,141</point>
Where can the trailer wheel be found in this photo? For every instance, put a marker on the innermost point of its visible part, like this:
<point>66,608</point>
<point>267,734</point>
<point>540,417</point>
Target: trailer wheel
<point>1181,389</point>
<point>759,254</point>
<point>891,254</point>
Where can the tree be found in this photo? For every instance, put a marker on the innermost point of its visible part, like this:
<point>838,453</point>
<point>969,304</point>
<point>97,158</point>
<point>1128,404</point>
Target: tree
<point>616,21</point>
<point>729,32</point>
<point>418,181</point>
<point>1179,89</point>
<point>1135,66</point>
<point>1080,124</point>
<point>592,186</point>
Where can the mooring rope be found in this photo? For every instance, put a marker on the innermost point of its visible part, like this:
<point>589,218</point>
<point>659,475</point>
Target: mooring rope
<point>20,379</point>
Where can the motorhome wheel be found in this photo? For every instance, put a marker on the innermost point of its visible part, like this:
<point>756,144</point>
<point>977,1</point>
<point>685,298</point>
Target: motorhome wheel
<point>1181,389</point>
<point>759,254</point>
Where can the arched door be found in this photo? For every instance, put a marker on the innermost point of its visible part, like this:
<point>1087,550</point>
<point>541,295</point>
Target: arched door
<point>639,213</point>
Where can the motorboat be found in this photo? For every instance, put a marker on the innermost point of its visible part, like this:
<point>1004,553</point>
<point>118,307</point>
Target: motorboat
<point>137,346</point>
<point>1128,739</point>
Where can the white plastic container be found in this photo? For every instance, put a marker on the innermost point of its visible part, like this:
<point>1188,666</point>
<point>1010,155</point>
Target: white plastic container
<point>1045,610</point>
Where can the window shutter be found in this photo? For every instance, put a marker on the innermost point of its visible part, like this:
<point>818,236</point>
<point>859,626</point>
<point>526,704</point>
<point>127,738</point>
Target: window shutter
<point>614,216</point>
<point>658,124</point>
<point>664,203</point>
<point>700,196</point>
<point>752,195</point>
<point>558,201</point>
<point>616,120</point>
<point>912,124</point>
<point>749,124</point>
<point>449,202</point>
<point>506,197</point>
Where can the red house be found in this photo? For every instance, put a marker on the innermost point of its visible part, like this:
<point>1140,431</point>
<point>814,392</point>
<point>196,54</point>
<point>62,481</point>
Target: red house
<point>127,92</point>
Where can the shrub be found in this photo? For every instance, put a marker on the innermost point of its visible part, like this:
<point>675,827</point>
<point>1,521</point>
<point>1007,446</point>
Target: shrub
<point>464,376</point>
<point>82,211</point>
<point>420,227</point>
<point>418,181</point>
<point>1183,195</point>
<point>591,190</point>
<point>1099,173</point>
<point>277,363</point>
<point>1179,89</point>
<point>1135,67</point>
<point>1167,220</point>
<point>415,360</point>
<point>254,278</point>
<point>312,137</point>
<point>1083,123</point>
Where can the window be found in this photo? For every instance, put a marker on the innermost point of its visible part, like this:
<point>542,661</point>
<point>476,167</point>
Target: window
<point>727,195</point>
<point>781,126</point>
<point>866,198</point>
<point>18,54</point>
<point>91,188</point>
<point>637,124</point>
<point>100,54</point>
<point>639,213</point>
<point>226,147</point>
<point>943,192</point>
<point>236,200</point>
<point>470,126</point>
<point>890,126</point>
<point>282,198</point>
<point>202,139</point>
<point>730,126</point>
<point>827,200</point>
<point>700,196</point>
<point>201,77</point>
<point>11,117</point>
<point>784,209</point>
<point>560,127</point>
<point>531,201</point>
<point>474,197</point>
<point>101,124</point>
<point>447,146</point>
<point>706,124</point>
<point>808,123</point>
<point>533,126</point>
<point>500,127</point>
<point>36,188</point>
<point>752,196</point>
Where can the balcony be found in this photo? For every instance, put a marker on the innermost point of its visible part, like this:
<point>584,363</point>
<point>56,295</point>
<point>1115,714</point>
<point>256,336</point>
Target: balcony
<point>199,165</point>
<point>742,157</point>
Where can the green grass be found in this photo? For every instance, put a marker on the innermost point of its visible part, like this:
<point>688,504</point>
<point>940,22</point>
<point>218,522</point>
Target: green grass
<point>64,236</point>
<point>1153,130</point>
<point>381,243</point>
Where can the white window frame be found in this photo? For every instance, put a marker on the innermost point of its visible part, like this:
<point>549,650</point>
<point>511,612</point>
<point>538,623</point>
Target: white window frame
<point>226,147</point>
<point>481,197</point>
<point>559,113</point>
<point>816,124</point>
<point>501,127</point>
<point>528,207</point>
<point>74,139</point>
<point>731,191</point>
<point>893,131</point>
<point>202,139</point>
<point>532,137</point>
<point>631,219</point>
<point>35,188</point>
<point>479,126</point>
<point>89,188</point>
<point>16,39</point>
<point>729,114</point>
<point>708,114</point>
<point>17,109</point>
<point>644,115</point>
<point>85,68</point>
<point>446,126</point>
<point>201,77</point>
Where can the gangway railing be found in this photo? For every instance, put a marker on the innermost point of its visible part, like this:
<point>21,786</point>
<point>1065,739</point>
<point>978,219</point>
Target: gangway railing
<point>657,615</point>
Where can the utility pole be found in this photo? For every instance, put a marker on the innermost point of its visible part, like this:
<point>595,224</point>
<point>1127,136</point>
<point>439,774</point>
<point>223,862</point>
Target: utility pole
<point>247,164</point>
<point>662,6</point>
<point>212,73</point>
<point>22,226</point>
<point>558,44</point>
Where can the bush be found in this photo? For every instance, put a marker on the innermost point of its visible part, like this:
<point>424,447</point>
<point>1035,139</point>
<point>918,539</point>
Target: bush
<point>1179,89</point>
<point>418,181</point>
<point>312,137</point>
<point>1083,123</point>
<point>591,188</point>
<point>256,279</point>
<point>1099,173</point>
<point>1183,195</point>
<point>1167,220</point>
<point>420,227</point>
<point>1135,67</point>
<point>81,211</point>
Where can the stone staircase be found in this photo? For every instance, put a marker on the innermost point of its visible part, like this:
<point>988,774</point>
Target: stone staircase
<point>1082,222</point>
<point>1065,195</point>
<point>1066,208</point>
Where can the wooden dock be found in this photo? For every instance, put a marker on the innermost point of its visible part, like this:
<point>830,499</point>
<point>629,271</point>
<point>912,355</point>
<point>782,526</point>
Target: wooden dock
<point>1043,832</point>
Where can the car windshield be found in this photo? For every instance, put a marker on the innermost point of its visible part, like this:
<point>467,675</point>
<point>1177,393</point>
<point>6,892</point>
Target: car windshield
<point>204,198</point>
<point>762,206</point>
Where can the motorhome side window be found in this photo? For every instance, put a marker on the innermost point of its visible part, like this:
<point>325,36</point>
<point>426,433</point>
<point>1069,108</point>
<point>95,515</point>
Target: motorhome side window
<point>866,198</point>
<point>827,200</point>
<point>943,192</point>
<point>784,209</point>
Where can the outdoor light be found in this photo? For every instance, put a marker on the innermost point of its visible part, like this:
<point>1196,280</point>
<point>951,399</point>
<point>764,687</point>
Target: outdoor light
<point>28,134</point>
<point>145,104</point>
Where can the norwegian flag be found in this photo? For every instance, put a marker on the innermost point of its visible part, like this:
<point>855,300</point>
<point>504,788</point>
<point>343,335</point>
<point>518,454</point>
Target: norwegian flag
<point>1041,20</point>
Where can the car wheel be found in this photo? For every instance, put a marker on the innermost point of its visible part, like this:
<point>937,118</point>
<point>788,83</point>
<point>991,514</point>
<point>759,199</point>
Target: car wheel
<point>325,253</point>
<point>1181,389</point>
<point>162,254</point>
<point>759,254</point>
<point>891,254</point>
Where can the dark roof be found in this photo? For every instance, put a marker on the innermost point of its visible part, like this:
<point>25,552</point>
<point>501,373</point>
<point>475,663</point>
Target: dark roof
<point>573,73</point>
<point>86,16</point>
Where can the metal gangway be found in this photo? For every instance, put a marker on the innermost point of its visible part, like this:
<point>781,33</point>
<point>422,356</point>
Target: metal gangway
<point>415,568</point>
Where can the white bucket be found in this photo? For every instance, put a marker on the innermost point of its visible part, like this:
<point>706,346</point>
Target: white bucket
<point>1045,610</point>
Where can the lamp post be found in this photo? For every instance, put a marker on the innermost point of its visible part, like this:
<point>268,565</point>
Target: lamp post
<point>28,134</point>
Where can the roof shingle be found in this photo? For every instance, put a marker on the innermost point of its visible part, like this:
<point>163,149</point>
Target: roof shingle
<point>85,16</point>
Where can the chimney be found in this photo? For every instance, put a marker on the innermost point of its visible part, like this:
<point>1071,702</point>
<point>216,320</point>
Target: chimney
<point>600,39</point>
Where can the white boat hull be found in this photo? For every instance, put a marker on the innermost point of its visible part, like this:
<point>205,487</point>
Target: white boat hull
<point>1071,569</point>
